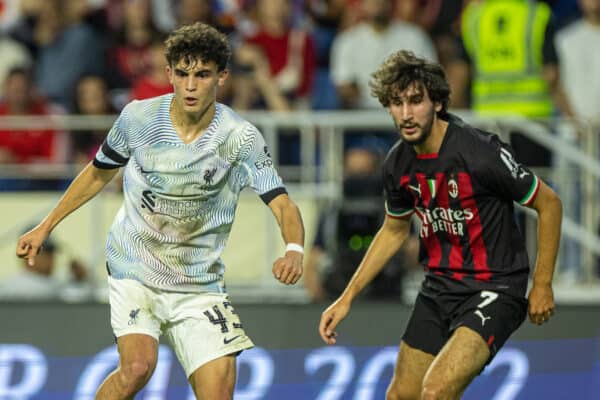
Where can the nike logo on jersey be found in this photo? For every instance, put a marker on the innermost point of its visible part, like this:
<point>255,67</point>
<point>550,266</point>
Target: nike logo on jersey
<point>483,317</point>
<point>227,341</point>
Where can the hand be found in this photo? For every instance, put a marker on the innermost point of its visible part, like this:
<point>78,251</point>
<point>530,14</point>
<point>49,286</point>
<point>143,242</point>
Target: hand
<point>330,318</point>
<point>288,269</point>
<point>541,303</point>
<point>30,244</point>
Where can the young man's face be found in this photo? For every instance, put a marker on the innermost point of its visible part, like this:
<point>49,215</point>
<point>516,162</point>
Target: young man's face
<point>414,113</point>
<point>195,85</point>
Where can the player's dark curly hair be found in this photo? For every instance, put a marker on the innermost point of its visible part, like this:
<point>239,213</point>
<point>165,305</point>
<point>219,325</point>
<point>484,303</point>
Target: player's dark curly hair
<point>402,69</point>
<point>198,42</point>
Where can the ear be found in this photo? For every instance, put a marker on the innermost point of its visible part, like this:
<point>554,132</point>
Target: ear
<point>438,107</point>
<point>223,75</point>
<point>169,72</point>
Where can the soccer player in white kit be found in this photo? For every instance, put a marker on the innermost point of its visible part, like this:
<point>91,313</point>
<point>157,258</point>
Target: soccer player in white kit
<point>186,159</point>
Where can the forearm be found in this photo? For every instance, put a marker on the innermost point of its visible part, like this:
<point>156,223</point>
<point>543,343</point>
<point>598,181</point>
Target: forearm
<point>85,186</point>
<point>290,223</point>
<point>548,238</point>
<point>349,95</point>
<point>275,100</point>
<point>386,243</point>
<point>551,74</point>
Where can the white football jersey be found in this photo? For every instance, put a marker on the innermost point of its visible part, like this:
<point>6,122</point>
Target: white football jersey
<point>180,199</point>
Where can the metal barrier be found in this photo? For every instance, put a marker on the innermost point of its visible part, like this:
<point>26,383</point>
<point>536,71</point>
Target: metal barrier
<point>575,173</point>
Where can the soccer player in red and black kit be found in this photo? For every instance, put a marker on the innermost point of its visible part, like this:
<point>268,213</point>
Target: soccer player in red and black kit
<point>462,183</point>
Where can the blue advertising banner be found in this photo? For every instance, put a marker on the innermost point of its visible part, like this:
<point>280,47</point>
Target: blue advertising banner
<point>526,369</point>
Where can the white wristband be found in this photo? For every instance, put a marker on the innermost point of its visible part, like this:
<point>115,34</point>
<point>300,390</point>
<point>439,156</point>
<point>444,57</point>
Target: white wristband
<point>294,247</point>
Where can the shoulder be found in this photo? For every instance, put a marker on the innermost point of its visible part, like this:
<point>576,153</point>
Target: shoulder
<point>568,32</point>
<point>352,34</point>
<point>472,141</point>
<point>138,110</point>
<point>407,28</point>
<point>398,158</point>
<point>232,123</point>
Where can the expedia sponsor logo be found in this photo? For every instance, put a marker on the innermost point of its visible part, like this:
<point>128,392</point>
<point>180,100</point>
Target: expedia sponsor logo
<point>444,220</point>
<point>267,162</point>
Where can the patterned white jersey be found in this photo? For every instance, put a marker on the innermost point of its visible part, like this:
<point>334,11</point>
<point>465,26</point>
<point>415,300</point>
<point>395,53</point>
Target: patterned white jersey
<point>180,199</point>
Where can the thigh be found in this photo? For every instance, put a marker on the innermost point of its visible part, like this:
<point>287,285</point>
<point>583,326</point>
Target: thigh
<point>203,328</point>
<point>411,366</point>
<point>215,379</point>
<point>131,305</point>
<point>461,359</point>
<point>428,327</point>
<point>493,315</point>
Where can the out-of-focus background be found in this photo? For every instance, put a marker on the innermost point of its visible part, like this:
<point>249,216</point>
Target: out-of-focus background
<point>526,70</point>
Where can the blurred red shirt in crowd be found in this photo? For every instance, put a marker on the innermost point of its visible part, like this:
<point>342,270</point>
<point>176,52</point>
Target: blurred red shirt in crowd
<point>31,145</point>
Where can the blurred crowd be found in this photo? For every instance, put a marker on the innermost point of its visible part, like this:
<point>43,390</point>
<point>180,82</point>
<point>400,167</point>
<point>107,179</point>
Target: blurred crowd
<point>90,57</point>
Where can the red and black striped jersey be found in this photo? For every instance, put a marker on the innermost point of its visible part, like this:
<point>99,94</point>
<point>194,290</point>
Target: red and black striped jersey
<point>463,196</point>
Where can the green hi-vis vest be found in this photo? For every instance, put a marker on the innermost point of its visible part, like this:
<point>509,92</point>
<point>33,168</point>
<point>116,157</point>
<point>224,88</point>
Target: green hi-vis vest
<point>504,39</point>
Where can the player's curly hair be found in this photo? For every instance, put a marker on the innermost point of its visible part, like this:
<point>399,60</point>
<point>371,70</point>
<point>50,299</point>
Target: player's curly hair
<point>402,69</point>
<point>198,41</point>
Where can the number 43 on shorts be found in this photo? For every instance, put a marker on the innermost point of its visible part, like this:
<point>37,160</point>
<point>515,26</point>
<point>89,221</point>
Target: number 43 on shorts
<point>218,317</point>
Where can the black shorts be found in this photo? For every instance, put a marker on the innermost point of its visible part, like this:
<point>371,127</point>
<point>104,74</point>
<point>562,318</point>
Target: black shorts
<point>493,315</point>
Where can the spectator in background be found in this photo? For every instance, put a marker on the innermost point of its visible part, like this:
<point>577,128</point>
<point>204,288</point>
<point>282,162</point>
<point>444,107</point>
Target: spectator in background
<point>92,98</point>
<point>357,52</point>
<point>35,148</point>
<point>190,11</point>
<point>14,54</point>
<point>155,82</point>
<point>346,230</point>
<point>326,16</point>
<point>289,54</point>
<point>34,282</point>
<point>28,146</point>
<point>578,47</point>
<point>441,20</point>
<point>68,48</point>
<point>131,56</point>
<point>510,56</point>
<point>39,282</point>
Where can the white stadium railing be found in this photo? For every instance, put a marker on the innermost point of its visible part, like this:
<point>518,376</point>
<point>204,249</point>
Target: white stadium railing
<point>575,172</point>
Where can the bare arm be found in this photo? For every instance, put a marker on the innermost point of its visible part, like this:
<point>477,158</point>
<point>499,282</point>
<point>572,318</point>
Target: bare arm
<point>541,298</point>
<point>85,186</point>
<point>349,94</point>
<point>551,74</point>
<point>386,243</point>
<point>459,74</point>
<point>288,269</point>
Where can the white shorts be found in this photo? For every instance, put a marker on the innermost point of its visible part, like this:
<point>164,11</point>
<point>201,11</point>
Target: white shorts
<point>201,327</point>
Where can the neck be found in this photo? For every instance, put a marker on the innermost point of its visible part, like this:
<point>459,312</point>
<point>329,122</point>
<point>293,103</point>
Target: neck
<point>274,27</point>
<point>191,125</point>
<point>379,24</point>
<point>434,141</point>
<point>593,18</point>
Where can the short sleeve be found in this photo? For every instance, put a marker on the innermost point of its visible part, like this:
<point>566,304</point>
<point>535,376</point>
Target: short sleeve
<point>264,179</point>
<point>399,203</point>
<point>508,178</point>
<point>114,152</point>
